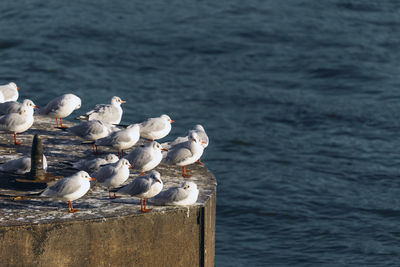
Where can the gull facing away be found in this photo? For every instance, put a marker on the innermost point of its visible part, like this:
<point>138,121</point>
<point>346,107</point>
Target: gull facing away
<point>185,153</point>
<point>20,165</point>
<point>184,195</point>
<point>113,175</point>
<point>61,107</point>
<point>9,92</point>
<point>144,187</point>
<point>92,130</point>
<point>156,128</point>
<point>110,113</point>
<point>93,165</point>
<point>17,122</point>
<point>14,106</point>
<point>70,188</point>
<point>201,133</point>
<point>122,139</point>
<point>146,158</point>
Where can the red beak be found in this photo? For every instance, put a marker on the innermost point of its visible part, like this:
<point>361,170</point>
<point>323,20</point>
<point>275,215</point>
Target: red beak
<point>172,121</point>
<point>36,106</point>
<point>17,88</point>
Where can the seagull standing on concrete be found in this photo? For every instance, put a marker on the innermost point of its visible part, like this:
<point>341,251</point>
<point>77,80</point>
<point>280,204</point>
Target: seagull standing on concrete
<point>110,113</point>
<point>93,165</point>
<point>17,122</point>
<point>184,195</point>
<point>14,106</point>
<point>9,92</point>
<point>20,166</point>
<point>156,128</point>
<point>92,130</point>
<point>61,107</point>
<point>201,133</point>
<point>70,188</point>
<point>185,153</point>
<point>145,158</point>
<point>144,187</point>
<point>122,139</point>
<point>113,175</point>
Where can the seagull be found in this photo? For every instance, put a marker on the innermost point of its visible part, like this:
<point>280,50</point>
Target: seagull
<point>94,164</point>
<point>111,113</point>
<point>92,130</point>
<point>145,158</point>
<point>113,175</point>
<point>122,139</point>
<point>20,165</point>
<point>156,128</point>
<point>201,133</point>
<point>70,188</point>
<point>17,122</point>
<point>61,107</point>
<point>185,153</point>
<point>184,195</point>
<point>144,187</point>
<point>9,91</point>
<point>14,106</point>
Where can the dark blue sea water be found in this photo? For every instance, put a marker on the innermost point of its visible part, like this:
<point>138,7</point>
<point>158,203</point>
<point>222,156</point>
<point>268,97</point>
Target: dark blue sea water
<point>300,99</point>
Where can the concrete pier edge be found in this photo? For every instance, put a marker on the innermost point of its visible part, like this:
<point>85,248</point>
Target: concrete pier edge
<point>36,232</point>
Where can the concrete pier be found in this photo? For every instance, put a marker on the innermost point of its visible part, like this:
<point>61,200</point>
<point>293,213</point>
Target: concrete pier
<point>39,232</point>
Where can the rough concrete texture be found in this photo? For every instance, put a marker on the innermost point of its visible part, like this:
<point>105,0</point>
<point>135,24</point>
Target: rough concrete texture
<point>39,232</point>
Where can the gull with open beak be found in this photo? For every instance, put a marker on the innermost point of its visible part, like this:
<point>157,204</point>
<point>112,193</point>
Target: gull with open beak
<point>70,188</point>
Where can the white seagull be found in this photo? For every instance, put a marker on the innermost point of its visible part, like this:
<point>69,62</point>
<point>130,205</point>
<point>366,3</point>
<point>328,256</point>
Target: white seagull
<point>110,113</point>
<point>122,139</point>
<point>185,153</point>
<point>61,107</point>
<point>144,187</point>
<point>113,175</point>
<point>156,128</point>
<point>14,106</point>
<point>93,165</point>
<point>70,188</point>
<point>146,158</point>
<point>20,165</point>
<point>9,91</point>
<point>92,130</point>
<point>17,122</point>
<point>184,195</point>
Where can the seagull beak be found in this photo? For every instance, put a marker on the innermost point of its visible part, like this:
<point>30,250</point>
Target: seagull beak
<point>92,179</point>
<point>131,166</point>
<point>172,121</point>
<point>163,149</point>
<point>203,142</point>
<point>17,88</point>
<point>158,181</point>
<point>123,101</point>
<point>36,106</point>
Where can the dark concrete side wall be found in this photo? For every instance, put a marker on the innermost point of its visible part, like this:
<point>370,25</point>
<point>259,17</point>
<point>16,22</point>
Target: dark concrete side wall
<point>178,237</point>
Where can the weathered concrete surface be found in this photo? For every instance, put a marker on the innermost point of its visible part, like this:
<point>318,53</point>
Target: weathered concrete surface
<point>37,232</point>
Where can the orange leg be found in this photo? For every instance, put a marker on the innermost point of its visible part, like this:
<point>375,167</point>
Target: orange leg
<point>62,126</point>
<point>94,148</point>
<point>185,173</point>
<point>71,209</point>
<point>141,206</point>
<point>57,121</point>
<point>201,163</point>
<point>15,140</point>
<point>112,197</point>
